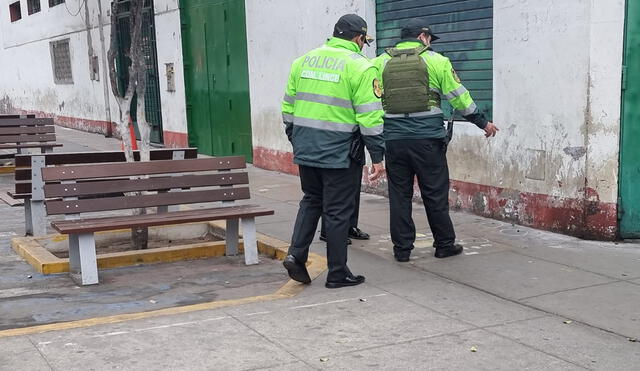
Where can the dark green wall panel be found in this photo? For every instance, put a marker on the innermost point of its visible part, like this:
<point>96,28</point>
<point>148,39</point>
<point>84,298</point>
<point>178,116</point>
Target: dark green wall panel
<point>465,28</point>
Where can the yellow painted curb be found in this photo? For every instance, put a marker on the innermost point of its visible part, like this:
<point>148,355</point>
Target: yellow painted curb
<point>7,169</point>
<point>316,265</point>
<point>46,263</point>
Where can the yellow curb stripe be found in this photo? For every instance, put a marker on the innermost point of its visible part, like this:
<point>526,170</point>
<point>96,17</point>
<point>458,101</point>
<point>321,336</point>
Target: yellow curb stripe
<point>7,169</point>
<point>316,265</point>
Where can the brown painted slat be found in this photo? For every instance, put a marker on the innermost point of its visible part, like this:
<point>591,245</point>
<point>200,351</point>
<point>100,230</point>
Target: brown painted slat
<point>30,116</point>
<point>40,145</point>
<point>149,220</point>
<point>22,174</point>
<point>74,158</point>
<point>23,187</point>
<point>27,138</point>
<point>150,184</point>
<point>132,202</point>
<point>142,168</point>
<point>19,196</point>
<point>17,130</point>
<point>26,122</point>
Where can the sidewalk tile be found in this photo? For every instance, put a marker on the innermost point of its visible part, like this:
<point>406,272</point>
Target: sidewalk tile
<point>449,352</point>
<point>587,346</point>
<point>615,307</point>
<point>511,275</point>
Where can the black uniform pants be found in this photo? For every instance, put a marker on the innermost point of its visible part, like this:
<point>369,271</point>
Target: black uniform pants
<point>426,159</point>
<point>328,193</point>
<point>355,215</point>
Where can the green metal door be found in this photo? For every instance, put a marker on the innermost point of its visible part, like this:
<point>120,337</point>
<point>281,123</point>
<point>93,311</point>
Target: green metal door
<point>214,45</point>
<point>152,94</point>
<point>465,29</point>
<point>629,204</point>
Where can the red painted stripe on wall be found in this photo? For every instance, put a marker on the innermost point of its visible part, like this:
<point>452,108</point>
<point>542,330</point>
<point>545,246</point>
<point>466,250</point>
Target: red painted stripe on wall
<point>585,218</point>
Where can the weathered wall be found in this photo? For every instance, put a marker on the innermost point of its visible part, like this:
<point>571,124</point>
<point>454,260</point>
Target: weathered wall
<point>291,29</point>
<point>27,74</point>
<point>557,70</point>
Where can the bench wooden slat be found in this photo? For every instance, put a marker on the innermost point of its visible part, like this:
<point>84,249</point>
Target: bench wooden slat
<point>30,138</point>
<point>142,168</point>
<point>26,122</point>
<point>29,116</point>
<point>19,195</point>
<point>17,130</point>
<point>56,207</point>
<point>40,145</point>
<point>149,220</point>
<point>74,158</point>
<point>150,184</point>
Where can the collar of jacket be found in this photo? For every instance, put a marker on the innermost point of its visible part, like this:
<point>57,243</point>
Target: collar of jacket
<point>408,44</point>
<point>335,42</point>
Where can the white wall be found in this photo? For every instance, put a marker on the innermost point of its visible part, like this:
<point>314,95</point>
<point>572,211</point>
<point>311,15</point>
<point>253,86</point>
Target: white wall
<point>27,75</point>
<point>25,60</point>
<point>278,31</point>
<point>557,69</point>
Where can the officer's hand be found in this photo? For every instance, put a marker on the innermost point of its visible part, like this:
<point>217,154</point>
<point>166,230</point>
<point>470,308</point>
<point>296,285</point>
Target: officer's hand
<point>490,130</point>
<point>376,171</point>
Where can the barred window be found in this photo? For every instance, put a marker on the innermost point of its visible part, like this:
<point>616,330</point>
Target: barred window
<point>53,3</point>
<point>33,6</point>
<point>61,62</point>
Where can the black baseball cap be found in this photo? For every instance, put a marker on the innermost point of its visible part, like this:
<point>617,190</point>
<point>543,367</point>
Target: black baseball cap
<point>416,26</point>
<point>352,24</point>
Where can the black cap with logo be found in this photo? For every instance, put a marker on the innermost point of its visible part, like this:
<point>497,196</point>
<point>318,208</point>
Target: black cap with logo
<point>350,25</point>
<point>415,27</point>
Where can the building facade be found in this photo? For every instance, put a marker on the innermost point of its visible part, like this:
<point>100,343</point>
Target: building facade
<point>549,74</point>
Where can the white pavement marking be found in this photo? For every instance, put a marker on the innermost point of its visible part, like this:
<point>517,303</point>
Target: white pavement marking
<point>335,301</point>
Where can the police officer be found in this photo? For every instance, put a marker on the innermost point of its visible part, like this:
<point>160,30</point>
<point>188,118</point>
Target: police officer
<point>414,79</point>
<point>330,95</point>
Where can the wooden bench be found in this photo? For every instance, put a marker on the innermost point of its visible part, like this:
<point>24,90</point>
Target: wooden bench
<point>191,181</point>
<point>29,185</point>
<point>27,132</point>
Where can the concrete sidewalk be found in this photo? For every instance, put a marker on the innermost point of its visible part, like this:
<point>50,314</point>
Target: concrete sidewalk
<point>518,298</point>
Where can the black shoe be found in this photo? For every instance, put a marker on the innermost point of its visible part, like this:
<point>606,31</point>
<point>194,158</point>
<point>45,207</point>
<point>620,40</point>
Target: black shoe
<point>356,233</point>
<point>349,280</point>
<point>297,271</point>
<point>445,252</point>
<point>402,258</point>
<point>324,239</point>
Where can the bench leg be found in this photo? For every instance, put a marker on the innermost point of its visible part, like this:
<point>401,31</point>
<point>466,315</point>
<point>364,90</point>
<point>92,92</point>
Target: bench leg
<point>250,242</point>
<point>83,264</point>
<point>38,218</point>
<point>28,219</point>
<point>231,236</point>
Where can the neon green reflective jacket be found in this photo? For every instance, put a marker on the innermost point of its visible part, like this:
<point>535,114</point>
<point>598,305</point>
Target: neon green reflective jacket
<point>442,80</point>
<point>329,101</point>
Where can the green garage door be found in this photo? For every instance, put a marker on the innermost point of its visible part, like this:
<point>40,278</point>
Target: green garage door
<point>629,205</point>
<point>465,29</point>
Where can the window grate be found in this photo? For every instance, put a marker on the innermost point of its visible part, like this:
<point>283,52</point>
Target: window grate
<point>33,6</point>
<point>61,62</point>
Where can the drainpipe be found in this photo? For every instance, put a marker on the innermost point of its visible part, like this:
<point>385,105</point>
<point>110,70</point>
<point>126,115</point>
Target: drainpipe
<point>105,74</point>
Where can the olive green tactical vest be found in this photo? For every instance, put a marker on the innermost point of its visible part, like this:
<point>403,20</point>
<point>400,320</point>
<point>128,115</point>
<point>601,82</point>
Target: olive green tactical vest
<point>406,81</point>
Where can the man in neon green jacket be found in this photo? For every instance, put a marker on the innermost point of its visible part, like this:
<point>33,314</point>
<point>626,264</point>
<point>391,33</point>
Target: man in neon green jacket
<point>329,100</point>
<point>414,135</point>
